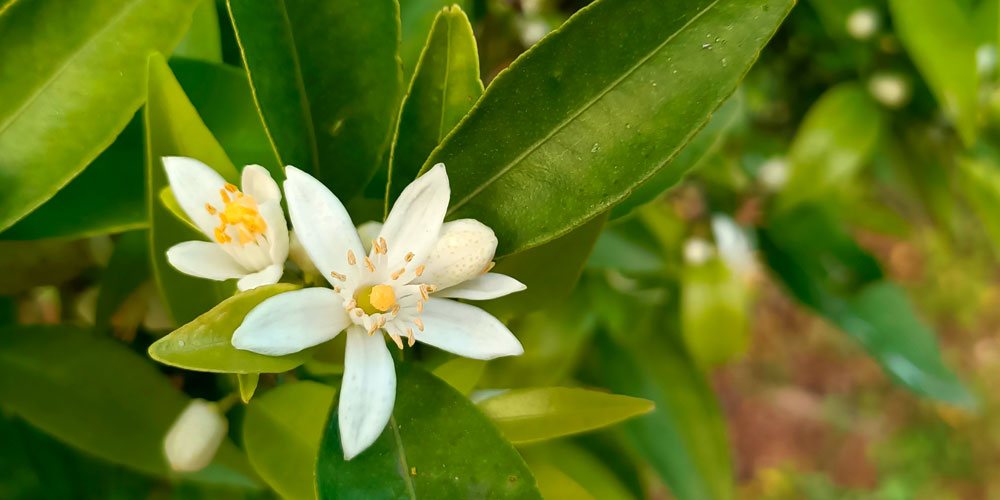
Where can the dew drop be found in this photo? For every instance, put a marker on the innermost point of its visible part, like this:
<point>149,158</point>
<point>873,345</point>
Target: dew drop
<point>707,46</point>
<point>596,148</point>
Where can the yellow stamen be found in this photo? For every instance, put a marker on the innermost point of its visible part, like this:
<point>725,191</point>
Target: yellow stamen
<point>420,270</point>
<point>231,188</point>
<point>420,307</point>
<point>350,258</point>
<point>241,212</point>
<point>395,338</point>
<point>385,248</point>
<point>395,309</point>
<point>419,322</point>
<point>409,337</point>
<point>409,257</point>
<point>489,267</point>
<point>210,209</point>
<point>369,265</point>
<point>338,276</point>
<point>225,197</point>
<point>397,274</point>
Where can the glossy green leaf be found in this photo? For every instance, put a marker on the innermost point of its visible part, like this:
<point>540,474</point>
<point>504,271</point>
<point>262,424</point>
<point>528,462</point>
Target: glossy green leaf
<point>443,89</point>
<point>327,109</point>
<point>549,271</point>
<point>435,436</point>
<point>174,128</point>
<point>248,385</point>
<point>615,251</point>
<point>126,271</point>
<point>91,392</point>
<point>707,142</point>
<point>558,464</point>
<point>596,108</point>
<point>461,373</point>
<point>537,414</point>
<point>685,438</point>
<point>282,433</point>
<point>87,66</point>
<point>416,19</point>
<point>714,312</point>
<point>941,39</point>
<point>833,142</point>
<point>107,197</point>
<point>202,40</point>
<point>27,264</point>
<point>205,344</point>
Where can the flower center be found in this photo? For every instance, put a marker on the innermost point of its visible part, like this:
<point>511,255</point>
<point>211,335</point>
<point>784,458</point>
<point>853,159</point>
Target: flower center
<point>239,212</point>
<point>375,299</point>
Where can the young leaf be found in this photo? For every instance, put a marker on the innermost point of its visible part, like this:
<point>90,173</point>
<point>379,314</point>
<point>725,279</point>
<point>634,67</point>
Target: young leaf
<point>445,86</point>
<point>87,67</point>
<point>461,373</point>
<point>282,432</point>
<point>326,80</point>
<point>173,128</point>
<point>205,344</point>
<point>91,392</point>
<point>248,385</point>
<point>557,462</point>
<point>685,438</point>
<point>834,140</point>
<point>596,108</point>
<point>416,17</point>
<point>714,308</point>
<point>941,39</point>
<point>202,41</point>
<point>537,414</point>
<point>437,445</point>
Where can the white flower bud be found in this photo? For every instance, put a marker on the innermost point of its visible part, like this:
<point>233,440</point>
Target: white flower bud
<point>697,251</point>
<point>195,436</point>
<point>986,58</point>
<point>863,23</point>
<point>890,89</point>
<point>773,174</point>
<point>298,254</point>
<point>733,244</point>
<point>463,251</point>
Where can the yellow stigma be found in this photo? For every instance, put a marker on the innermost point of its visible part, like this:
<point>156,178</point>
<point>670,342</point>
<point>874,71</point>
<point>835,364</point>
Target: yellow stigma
<point>239,211</point>
<point>379,298</point>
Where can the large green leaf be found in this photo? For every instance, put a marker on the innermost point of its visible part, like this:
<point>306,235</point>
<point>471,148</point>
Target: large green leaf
<point>537,414</point>
<point>834,140</point>
<point>326,79</point>
<point>73,73</point>
<point>416,19</point>
<point>202,41</point>
<point>282,431</point>
<point>941,39</point>
<point>91,392</point>
<point>445,86</point>
<point>173,128</point>
<point>685,438</point>
<point>205,343</point>
<point>560,467</point>
<point>596,108</point>
<point>437,445</point>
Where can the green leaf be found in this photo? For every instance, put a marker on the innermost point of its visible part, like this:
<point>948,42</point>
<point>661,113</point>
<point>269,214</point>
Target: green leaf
<point>714,305</point>
<point>91,392</point>
<point>248,385</point>
<point>327,109</point>
<point>941,39</point>
<point>445,86</point>
<point>706,143</point>
<point>833,142</point>
<point>282,433</point>
<point>557,462</point>
<point>416,19</point>
<point>437,445</point>
<point>616,251</point>
<point>685,438</point>
<point>203,41</point>
<point>174,128</point>
<point>169,202</point>
<point>461,373</point>
<point>596,108</point>
<point>107,197</point>
<point>981,183</point>
<point>88,69</point>
<point>537,414</point>
<point>126,272</point>
<point>205,344</point>
<point>549,271</point>
<point>27,264</point>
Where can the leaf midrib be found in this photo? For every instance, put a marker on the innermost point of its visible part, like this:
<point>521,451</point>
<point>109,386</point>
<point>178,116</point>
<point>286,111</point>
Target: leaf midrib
<point>114,21</point>
<point>570,119</point>
<point>401,453</point>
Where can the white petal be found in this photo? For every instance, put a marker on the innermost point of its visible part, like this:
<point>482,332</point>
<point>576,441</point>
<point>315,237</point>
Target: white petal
<point>277,230</point>
<point>484,287</point>
<point>268,276</point>
<point>292,321</point>
<point>463,250</point>
<point>466,330</point>
<point>204,260</point>
<point>367,392</point>
<point>194,184</point>
<point>368,232</point>
<point>414,223</point>
<point>257,182</point>
<point>321,223</point>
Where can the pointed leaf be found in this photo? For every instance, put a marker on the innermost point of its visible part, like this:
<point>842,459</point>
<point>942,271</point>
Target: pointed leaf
<point>416,19</point>
<point>202,41</point>
<point>248,385</point>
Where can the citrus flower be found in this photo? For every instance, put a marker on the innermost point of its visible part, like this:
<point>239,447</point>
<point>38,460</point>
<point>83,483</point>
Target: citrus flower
<point>399,289</point>
<point>247,228</point>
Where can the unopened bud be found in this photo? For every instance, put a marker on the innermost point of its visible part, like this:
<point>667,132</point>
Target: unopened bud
<point>773,174</point>
<point>697,251</point>
<point>863,23</point>
<point>890,89</point>
<point>195,436</point>
<point>463,251</point>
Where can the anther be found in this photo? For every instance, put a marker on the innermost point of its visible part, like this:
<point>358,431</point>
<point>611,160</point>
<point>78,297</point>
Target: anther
<point>395,338</point>
<point>338,276</point>
<point>385,248</point>
<point>420,270</point>
<point>376,247</point>
<point>231,188</point>
<point>225,197</point>
<point>369,265</point>
<point>420,307</point>
<point>397,274</point>
<point>350,258</point>
<point>419,322</point>
<point>337,289</point>
<point>423,292</point>
<point>408,257</point>
<point>489,267</point>
<point>358,312</point>
<point>395,309</point>
<point>409,337</point>
<point>351,305</point>
<point>431,288</point>
<point>210,209</point>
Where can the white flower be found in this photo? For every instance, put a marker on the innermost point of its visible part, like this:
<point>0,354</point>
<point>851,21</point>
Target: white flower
<point>248,230</point>
<point>890,89</point>
<point>195,436</point>
<point>697,251</point>
<point>398,289</point>
<point>862,23</point>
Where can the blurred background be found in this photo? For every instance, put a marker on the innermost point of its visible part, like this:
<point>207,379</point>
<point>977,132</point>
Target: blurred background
<point>820,294</point>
